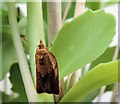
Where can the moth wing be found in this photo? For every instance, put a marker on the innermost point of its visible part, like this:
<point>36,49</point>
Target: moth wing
<point>39,80</point>
<point>39,83</point>
<point>55,81</point>
<point>54,63</point>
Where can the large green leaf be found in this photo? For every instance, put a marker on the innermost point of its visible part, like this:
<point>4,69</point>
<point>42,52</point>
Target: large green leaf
<point>91,96</point>
<point>105,57</point>
<point>101,75</point>
<point>83,40</point>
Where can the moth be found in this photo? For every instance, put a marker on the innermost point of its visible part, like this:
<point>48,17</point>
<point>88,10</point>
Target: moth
<point>46,71</point>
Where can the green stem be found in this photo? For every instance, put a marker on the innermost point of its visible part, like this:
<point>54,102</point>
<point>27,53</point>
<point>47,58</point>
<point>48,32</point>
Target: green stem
<point>24,69</point>
<point>54,19</point>
<point>54,24</point>
<point>79,8</point>
<point>72,79</point>
<point>35,33</point>
<point>66,11</point>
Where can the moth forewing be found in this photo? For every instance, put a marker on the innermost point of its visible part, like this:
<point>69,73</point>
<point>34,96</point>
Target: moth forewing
<point>46,71</point>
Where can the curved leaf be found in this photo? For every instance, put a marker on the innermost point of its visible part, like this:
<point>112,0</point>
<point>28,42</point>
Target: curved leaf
<point>101,75</point>
<point>8,54</point>
<point>17,82</point>
<point>83,40</point>
<point>105,57</point>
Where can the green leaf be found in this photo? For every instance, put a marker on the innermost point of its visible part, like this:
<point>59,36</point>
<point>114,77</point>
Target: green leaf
<point>12,98</point>
<point>106,4</point>
<point>82,40</point>
<point>99,76</point>
<point>109,87</point>
<point>91,96</point>
<point>17,82</point>
<point>46,33</point>
<point>8,98</point>
<point>105,57</point>
<point>8,53</point>
<point>35,31</point>
<point>4,16</point>
<point>4,6</point>
<point>119,54</point>
<point>22,25</point>
<point>93,5</point>
<point>5,29</point>
<point>71,10</point>
<point>44,10</point>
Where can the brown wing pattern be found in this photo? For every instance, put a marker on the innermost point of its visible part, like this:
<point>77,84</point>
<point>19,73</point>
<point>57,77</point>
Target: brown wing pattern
<point>47,73</point>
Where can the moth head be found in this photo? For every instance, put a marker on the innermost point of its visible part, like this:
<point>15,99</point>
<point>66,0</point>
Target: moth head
<point>42,52</point>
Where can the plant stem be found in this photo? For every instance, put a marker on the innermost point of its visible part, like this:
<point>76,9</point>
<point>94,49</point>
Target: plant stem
<point>54,24</point>
<point>80,5</point>
<point>66,10</point>
<point>35,33</point>
<point>72,79</point>
<point>54,19</point>
<point>24,69</point>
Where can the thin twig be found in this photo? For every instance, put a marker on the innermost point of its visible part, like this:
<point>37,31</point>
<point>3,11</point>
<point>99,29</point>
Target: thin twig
<point>24,69</point>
